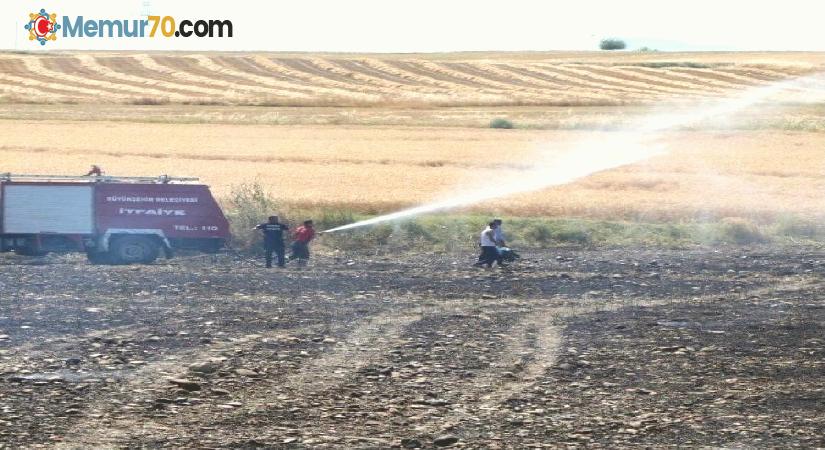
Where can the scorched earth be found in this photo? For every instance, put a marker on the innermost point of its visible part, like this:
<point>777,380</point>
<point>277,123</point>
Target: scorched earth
<point>596,348</point>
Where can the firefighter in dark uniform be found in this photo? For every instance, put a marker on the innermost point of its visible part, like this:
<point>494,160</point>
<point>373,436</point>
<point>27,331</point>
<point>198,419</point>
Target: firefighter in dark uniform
<point>273,240</point>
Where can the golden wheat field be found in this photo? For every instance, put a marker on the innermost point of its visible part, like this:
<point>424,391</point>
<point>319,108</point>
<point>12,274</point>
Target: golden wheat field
<point>480,79</point>
<point>378,132</point>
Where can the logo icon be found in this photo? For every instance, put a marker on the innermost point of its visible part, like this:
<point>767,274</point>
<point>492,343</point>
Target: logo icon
<point>42,26</point>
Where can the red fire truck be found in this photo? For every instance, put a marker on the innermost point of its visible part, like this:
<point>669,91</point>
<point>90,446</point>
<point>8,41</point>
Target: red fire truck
<point>115,220</point>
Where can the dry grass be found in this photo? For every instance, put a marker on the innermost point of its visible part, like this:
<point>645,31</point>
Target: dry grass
<point>708,174</point>
<point>491,79</point>
<point>372,133</point>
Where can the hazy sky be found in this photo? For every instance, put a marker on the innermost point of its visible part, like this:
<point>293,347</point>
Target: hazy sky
<point>447,25</point>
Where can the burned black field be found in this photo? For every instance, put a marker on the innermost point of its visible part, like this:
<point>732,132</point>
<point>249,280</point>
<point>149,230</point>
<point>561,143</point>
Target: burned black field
<point>567,348</point>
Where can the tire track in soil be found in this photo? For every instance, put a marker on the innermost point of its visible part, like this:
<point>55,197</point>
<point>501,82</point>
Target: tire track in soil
<point>357,351</point>
<point>532,348</point>
<point>325,371</point>
<point>529,349</point>
<point>120,429</point>
<point>365,345</point>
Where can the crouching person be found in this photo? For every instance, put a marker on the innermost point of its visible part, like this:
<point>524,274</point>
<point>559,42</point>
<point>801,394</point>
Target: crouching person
<point>300,248</point>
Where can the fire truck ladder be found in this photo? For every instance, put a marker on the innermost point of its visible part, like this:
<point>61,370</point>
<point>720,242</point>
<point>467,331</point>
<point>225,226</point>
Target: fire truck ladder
<point>161,179</point>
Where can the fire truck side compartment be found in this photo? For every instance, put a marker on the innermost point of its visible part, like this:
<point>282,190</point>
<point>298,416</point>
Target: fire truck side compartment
<point>35,209</point>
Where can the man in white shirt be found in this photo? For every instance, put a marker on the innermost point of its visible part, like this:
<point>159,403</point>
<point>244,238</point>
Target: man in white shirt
<point>489,252</point>
<point>498,239</point>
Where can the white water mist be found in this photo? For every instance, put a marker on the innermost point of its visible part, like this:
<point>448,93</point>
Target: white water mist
<point>629,145</point>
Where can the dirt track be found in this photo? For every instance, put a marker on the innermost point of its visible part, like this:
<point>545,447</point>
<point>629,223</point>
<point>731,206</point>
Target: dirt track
<point>568,348</point>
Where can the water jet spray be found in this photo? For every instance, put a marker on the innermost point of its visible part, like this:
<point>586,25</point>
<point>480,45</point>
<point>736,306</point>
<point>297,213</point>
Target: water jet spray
<point>627,146</point>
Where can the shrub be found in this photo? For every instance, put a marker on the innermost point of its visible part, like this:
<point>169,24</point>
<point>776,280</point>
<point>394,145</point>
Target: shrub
<point>380,234</point>
<point>579,237</point>
<point>539,233</point>
<point>739,231</point>
<point>374,238</point>
<point>612,44</point>
<point>248,205</point>
<point>794,227</point>
<point>545,234</point>
<point>501,123</point>
<point>332,218</point>
<point>416,232</point>
<point>675,232</point>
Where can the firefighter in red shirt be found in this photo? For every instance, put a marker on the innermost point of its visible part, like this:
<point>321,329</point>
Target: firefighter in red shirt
<point>300,248</point>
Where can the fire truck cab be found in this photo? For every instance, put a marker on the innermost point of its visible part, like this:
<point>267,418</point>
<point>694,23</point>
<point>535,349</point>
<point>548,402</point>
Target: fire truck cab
<point>114,220</point>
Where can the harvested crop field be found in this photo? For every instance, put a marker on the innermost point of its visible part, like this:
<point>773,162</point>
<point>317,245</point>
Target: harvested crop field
<point>483,79</point>
<point>576,348</point>
<point>757,174</point>
<point>373,133</point>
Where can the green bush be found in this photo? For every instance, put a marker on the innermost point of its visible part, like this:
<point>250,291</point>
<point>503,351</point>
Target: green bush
<point>374,238</point>
<point>416,231</point>
<point>381,234</point>
<point>248,205</point>
<point>454,233</point>
<point>545,234</point>
<point>739,231</point>
<point>579,237</point>
<point>796,228</point>
<point>501,123</point>
<point>539,233</point>
<point>332,218</point>
<point>612,44</point>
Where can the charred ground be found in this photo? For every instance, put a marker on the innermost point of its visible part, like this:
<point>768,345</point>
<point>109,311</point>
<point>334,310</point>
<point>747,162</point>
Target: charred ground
<point>567,348</point>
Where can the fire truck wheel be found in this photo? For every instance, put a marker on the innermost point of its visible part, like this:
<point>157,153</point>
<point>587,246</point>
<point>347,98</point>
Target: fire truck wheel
<point>134,249</point>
